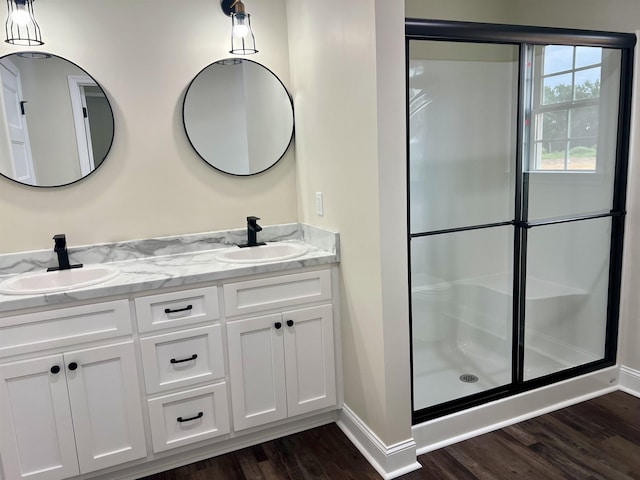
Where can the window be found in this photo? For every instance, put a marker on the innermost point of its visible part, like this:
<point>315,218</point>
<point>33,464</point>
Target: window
<point>567,107</point>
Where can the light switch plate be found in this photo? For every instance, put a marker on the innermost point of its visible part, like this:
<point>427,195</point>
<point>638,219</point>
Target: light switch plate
<point>319,204</point>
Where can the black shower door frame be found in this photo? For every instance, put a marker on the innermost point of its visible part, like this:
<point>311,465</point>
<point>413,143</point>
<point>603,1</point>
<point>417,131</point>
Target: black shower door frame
<point>526,37</point>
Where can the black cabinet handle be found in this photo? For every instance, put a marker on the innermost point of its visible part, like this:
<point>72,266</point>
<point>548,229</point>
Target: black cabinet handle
<point>199,415</point>
<point>278,325</point>
<point>192,357</point>
<point>55,369</point>
<point>289,323</point>
<point>73,366</point>
<point>168,310</point>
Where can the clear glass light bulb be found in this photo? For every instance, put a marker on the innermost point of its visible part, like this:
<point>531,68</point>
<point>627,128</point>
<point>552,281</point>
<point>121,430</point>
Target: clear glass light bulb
<point>240,28</point>
<point>20,16</point>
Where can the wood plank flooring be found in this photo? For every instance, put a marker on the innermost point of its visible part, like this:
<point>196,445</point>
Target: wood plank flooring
<point>594,440</point>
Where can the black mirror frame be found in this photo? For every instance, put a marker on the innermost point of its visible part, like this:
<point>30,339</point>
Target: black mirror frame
<point>45,55</point>
<point>293,128</point>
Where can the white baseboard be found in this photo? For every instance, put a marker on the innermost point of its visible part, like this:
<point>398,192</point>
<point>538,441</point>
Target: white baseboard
<point>390,461</point>
<point>630,381</point>
<point>475,421</point>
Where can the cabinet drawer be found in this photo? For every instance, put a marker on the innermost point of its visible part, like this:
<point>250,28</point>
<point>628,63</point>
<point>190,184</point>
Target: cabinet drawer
<point>177,309</point>
<point>31,332</point>
<point>277,292</point>
<point>189,417</point>
<point>183,358</point>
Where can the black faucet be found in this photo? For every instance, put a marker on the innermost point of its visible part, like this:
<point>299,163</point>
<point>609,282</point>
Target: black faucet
<point>252,229</point>
<point>63,256</point>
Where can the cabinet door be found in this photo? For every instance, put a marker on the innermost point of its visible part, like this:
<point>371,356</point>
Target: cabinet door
<point>105,400</point>
<point>36,431</point>
<point>309,359</point>
<point>256,370</point>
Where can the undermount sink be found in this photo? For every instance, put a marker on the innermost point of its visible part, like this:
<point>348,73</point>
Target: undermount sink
<point>57,281</point>
<point>271,252</point>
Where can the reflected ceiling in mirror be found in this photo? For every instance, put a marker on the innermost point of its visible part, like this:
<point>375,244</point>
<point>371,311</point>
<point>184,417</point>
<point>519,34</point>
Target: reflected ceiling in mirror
<point>56,123</point>
<point>238,116</point>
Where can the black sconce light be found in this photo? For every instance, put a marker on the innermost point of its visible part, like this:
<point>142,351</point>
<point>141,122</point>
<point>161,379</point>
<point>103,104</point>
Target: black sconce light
<point>242,40</point>
<point>21,27</point>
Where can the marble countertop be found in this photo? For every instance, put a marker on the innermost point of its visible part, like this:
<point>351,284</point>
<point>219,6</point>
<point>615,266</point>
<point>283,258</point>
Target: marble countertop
<point>150,264</point>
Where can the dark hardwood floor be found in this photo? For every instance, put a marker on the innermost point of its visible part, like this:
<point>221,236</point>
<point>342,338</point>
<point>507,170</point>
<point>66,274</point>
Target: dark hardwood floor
<point>597,439</point>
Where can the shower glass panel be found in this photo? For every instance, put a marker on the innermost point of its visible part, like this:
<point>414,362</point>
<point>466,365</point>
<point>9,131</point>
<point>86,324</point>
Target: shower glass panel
<point>576,95</point>
<point>461,304</point>
<point>463,118</point>
<point>463,130</point>
<point>566,295</point>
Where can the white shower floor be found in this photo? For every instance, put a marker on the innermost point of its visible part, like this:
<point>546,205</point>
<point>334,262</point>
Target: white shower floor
<point>438,366</point>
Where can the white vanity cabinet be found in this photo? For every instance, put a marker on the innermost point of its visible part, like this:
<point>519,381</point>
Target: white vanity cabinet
<point>203,364</point>
<point>281,364</point>
<point>73,412</point>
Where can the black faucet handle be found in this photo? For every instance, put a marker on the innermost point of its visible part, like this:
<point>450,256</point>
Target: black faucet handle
<point>60,240</point>
<point>252,224</point>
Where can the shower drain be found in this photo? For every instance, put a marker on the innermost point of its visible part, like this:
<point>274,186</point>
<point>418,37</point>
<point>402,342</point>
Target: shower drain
<point>468,378</point>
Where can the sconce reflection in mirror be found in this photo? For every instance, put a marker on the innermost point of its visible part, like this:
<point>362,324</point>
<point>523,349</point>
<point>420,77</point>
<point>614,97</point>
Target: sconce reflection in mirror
<point>243,41</point>
<point>21,27</point>
<point>56,123</point>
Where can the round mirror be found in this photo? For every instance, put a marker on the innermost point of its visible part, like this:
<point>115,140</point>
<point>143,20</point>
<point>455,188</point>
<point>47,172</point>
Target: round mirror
<point>56,123</point>
<point>238,116</point>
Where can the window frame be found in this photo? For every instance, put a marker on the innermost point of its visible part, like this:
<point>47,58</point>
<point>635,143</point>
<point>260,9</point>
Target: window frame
<point>540,108</point>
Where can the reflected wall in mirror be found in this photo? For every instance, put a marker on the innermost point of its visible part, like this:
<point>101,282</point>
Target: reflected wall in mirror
<point>56,123</point>
<point>238,116</point>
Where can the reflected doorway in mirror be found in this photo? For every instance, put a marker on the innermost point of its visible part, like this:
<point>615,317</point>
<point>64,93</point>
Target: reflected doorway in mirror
<point>69,118</point>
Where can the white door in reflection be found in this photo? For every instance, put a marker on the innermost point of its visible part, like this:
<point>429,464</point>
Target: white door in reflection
<point>15,149</point>
<point>77,85</point>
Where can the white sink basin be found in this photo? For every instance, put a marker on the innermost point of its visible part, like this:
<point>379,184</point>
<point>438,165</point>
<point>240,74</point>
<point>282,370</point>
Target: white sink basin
<point>271,252</point>
<point>57,281</point>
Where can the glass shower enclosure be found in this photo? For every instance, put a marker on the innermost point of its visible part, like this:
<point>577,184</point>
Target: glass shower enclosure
<point>517,154</point>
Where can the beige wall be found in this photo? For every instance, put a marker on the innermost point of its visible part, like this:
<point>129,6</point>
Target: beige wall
<point>612,15</point>
<point>348,84</point>
<point>144,53</point>
<point>490,11</point>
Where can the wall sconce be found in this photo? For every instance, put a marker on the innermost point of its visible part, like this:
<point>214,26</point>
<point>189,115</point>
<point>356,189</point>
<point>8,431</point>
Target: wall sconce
<point>21,27</point>
<point>242,40</point>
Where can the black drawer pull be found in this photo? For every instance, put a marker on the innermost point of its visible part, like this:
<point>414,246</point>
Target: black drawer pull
<point>289,323</point>
<point>199,415</point>
<point>55,369</point>
<point>278,325</point>
<point>168,310</point>
<point>192,357</point>
<point>73,366</point>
